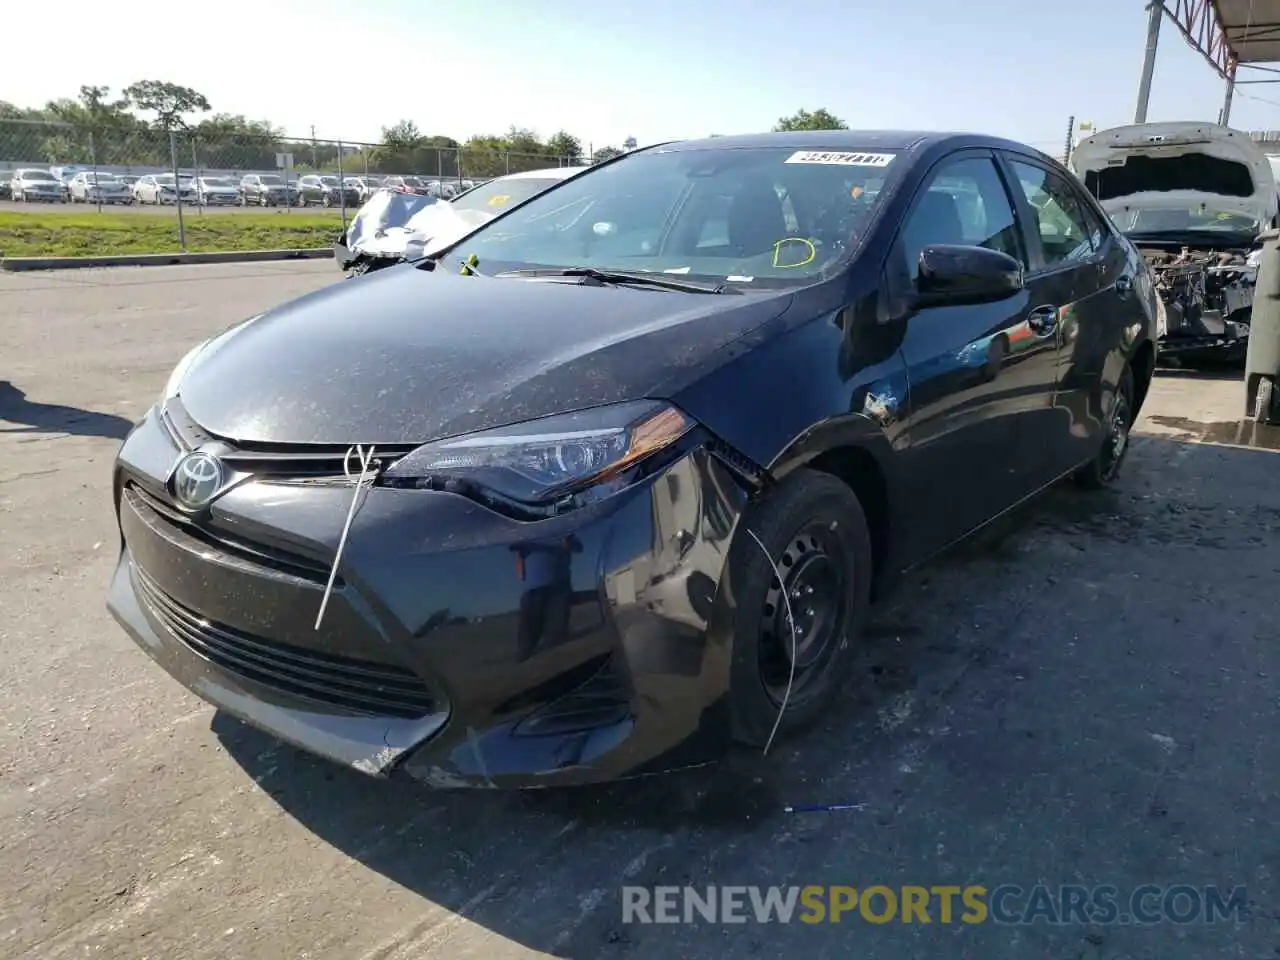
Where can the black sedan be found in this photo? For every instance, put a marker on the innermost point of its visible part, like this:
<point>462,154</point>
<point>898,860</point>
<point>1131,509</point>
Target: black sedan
<point>613,480</point>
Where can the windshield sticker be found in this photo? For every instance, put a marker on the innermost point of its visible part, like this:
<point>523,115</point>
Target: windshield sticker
<point>499,200</point>
<point>677,270</point>
<point>735,278</point>
<point>805,255</point>
<point>842,159</point>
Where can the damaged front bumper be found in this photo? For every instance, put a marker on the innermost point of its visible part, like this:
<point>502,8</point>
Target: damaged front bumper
<point>460,647</point>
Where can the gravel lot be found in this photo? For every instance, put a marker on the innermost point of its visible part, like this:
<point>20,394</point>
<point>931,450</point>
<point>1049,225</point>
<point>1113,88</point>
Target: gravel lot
<point>1088,695</point>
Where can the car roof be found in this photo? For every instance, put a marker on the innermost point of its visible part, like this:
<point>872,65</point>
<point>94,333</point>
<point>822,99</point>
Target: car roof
<point>903,140</point>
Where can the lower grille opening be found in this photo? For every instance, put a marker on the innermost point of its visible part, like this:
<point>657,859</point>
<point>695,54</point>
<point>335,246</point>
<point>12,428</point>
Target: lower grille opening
<point>602,701</point>
<point>356,686</point>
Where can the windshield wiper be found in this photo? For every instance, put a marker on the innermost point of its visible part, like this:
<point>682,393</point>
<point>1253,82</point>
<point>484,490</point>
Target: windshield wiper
<point>620,278</point>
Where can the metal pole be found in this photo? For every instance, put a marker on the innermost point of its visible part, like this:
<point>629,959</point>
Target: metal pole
<point>1155,11</point>
<point>1066,149</point>
<point>93,162</point>
<point>1225,118</point>
<point>195,166</point>
<point>177,191</point>
<point>342,187</point>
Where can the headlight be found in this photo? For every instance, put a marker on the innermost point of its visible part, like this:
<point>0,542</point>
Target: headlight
<point>175,379</point>
<point>545,460</point>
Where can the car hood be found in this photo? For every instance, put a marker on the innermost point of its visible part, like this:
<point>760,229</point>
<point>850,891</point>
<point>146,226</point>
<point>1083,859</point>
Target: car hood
<point>1205,164</point>
<point>405,355</point>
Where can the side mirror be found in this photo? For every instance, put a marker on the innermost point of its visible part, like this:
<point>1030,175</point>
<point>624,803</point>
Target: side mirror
<point>952,274</point>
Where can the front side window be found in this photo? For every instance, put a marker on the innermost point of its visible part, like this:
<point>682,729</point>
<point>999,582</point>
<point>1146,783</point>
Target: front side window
<point>768,216</point>
<point>1066,235</point>
<point>964,204</point>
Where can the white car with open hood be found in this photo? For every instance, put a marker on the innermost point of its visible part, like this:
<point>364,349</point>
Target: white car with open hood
<point>1192,197</point>
<point>393,226</point>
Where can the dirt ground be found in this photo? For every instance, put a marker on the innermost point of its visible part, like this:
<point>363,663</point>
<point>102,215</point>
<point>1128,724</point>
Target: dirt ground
<point>1087,695</point>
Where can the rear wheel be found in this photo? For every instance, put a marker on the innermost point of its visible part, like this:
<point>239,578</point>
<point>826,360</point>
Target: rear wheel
<point>795,628</point>
<point>1104,469</point>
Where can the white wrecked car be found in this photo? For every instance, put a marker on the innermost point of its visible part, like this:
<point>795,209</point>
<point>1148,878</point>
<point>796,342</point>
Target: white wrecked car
<point>1192,197</point>
<point>392,226</point>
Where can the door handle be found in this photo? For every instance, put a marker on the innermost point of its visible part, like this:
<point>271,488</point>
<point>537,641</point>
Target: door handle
<point>1124,284</point>
<point>1043,321</point>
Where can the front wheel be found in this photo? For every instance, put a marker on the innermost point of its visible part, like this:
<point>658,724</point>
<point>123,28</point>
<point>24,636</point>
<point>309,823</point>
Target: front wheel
<point>801,594</point>
<point>1104,469</point>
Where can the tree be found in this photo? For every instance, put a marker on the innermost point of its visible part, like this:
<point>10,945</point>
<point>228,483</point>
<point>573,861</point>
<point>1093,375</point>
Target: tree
<point>168,101</point>
<point>230,140</point>
<point>606,153</point>
<point>565,145</point>
<point>820,119</point>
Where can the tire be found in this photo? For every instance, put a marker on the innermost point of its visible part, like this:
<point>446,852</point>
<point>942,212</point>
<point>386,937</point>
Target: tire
<point>811,523</point>
<point>1104,469</point>
<point>1264,402</point>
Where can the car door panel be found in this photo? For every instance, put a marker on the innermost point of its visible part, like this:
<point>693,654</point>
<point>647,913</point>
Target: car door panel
<point>968,397</point>
<point>1080,266</point>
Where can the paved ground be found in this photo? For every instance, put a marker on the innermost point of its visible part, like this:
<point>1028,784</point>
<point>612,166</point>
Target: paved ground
<point>1087,696</point>
<point>148,209</point>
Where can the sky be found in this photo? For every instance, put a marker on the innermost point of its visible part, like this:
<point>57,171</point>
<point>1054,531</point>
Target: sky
<point>655,70</point>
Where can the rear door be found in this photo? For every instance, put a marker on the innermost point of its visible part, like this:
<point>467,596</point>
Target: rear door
<point>1081,273</point>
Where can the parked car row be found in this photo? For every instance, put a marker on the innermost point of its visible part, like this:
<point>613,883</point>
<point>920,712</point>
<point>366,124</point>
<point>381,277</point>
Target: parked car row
<point>73,184</point>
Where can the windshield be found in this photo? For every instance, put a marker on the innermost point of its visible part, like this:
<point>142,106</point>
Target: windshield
<point>40,175</point>
<point>101,177</point>
<point>270,178</point>
<point>328,181</point>
<point>771,215</point>
<point>1136,219</point>
<point>215,181</point>
<point>493,196</point>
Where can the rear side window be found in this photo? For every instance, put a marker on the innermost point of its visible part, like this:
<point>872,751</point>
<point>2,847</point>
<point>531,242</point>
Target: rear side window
<point>1067,235</point>
<point>964,203</point>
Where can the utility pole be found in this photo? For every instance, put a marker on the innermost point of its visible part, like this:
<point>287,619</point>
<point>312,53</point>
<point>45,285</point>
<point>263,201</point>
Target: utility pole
<point>1155,11</point>
<point>1066,149</point>
<point>315,164</point>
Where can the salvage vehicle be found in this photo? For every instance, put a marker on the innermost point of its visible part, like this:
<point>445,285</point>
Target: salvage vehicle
<point>395,225</point>
<point>1193,197</point>
<point>89,186</point>
<point>610,482</point>
<point>34,185</point>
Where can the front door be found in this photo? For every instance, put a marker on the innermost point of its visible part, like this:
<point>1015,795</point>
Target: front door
<point>969,398</point>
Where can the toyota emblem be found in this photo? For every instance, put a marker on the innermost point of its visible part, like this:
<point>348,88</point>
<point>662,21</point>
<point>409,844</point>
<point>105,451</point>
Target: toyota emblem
<point>197,479</point>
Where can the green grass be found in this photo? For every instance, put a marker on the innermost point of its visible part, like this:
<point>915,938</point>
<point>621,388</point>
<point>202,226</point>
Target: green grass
<point>107,234</point>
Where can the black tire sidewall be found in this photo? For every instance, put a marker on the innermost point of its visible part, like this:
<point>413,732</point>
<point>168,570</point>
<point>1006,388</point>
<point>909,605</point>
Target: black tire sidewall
<point>1093,474</point>
<point>799,500</point>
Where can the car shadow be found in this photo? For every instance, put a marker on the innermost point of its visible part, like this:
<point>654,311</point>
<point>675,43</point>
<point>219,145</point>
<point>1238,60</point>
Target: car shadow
<point>1207,371</point>
<point>486,855</point>
<point>33,417</point>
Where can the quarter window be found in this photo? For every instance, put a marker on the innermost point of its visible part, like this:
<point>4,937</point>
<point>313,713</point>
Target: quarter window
<point>1066,233</point>
<point>966,204</point>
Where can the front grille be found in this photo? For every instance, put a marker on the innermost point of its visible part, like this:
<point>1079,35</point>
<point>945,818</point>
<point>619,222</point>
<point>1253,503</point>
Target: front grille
<point>358,686</point>
<point>304,568</point>
<point>274,461</point>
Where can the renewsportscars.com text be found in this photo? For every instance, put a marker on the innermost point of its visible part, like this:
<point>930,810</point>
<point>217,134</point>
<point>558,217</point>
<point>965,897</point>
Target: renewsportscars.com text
<point>972,904</point>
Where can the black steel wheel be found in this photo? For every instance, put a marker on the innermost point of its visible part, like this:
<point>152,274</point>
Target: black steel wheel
<point>800,594</point>
<point>1104,469</point>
